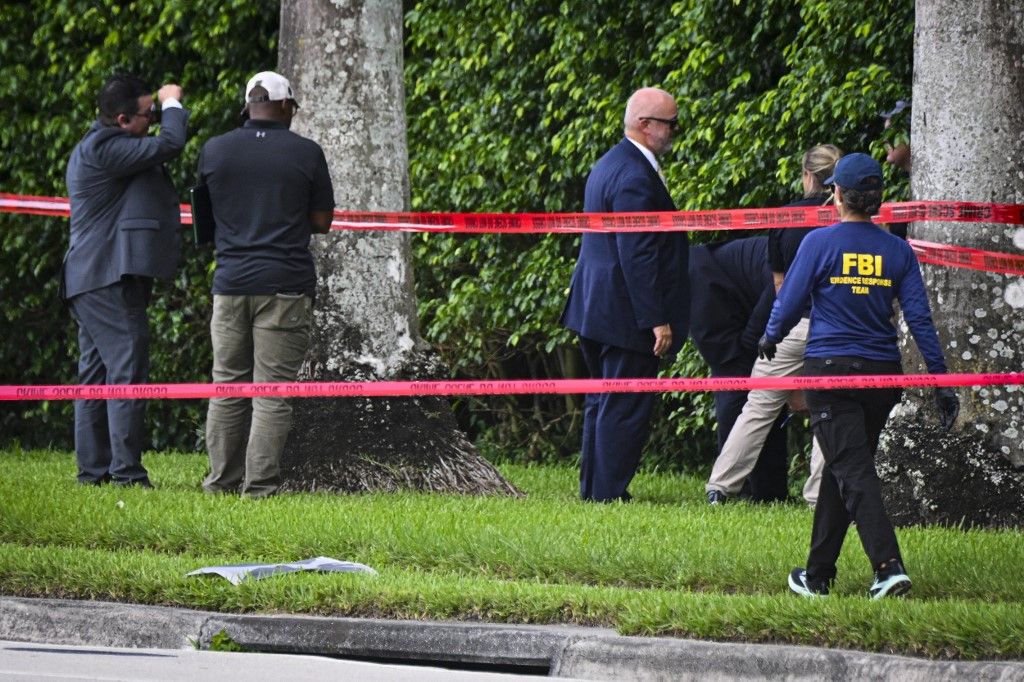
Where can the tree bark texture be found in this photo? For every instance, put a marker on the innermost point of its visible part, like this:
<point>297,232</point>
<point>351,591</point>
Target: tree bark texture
<point>344,60</point>
<point>967,145</point>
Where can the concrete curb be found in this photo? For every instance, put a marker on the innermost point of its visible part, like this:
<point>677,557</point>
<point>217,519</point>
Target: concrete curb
<point>561,651</point>
<point>530,648</point>
<point>59,621</point>
<point>649,658</point>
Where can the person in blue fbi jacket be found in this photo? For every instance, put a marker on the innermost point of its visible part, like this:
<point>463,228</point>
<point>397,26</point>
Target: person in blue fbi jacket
<point>851,272</point>
<point>629,297</point>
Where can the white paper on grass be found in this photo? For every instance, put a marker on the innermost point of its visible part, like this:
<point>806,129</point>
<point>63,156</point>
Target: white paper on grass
<point>236,573</point>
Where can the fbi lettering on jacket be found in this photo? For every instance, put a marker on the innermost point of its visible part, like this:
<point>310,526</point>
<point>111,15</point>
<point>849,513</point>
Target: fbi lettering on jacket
<point>861,271</point>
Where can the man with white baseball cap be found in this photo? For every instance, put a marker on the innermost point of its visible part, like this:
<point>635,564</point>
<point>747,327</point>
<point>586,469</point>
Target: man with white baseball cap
<point>270,190</point>
<point>269,86</point>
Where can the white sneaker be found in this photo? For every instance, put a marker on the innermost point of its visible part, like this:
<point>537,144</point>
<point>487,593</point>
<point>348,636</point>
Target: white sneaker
<point>893,582</point>
<point>800,584</point>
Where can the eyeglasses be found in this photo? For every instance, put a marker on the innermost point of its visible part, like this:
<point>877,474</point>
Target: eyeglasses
<point>151,114</point>
<point>672,123</point>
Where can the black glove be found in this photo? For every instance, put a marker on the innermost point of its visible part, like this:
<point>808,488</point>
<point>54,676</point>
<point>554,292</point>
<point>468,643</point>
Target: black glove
<point>749,347</point>
<point>949,406</point>
<point>766,349</point>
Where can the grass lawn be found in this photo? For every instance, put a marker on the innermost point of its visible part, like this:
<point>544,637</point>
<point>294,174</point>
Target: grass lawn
<point>666,564</point>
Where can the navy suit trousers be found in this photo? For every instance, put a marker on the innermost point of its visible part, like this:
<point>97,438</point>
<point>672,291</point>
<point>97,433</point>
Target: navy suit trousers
<point>615,425</point>
<point>113,338</point>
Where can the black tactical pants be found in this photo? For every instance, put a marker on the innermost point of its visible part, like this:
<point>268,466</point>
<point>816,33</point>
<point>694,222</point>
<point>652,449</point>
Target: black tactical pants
<point>847,423</point>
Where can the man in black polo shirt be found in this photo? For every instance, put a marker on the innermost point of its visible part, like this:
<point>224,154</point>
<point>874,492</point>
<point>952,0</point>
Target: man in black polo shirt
<point>270,190</point>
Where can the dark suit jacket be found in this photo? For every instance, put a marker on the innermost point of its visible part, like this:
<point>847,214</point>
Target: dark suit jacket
<point>626,283</point>
<point>732,299</point>
<point>125,216</point>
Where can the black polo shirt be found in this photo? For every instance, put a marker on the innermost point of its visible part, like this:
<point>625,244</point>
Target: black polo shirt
<point>264,181</point>
<point>783,243</point>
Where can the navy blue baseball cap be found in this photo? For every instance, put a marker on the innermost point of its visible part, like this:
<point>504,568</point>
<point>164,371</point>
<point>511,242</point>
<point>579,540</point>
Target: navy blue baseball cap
<point>857,171</point>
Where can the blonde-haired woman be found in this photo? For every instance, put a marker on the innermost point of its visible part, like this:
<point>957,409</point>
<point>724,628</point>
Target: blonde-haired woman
<point>739,454</point>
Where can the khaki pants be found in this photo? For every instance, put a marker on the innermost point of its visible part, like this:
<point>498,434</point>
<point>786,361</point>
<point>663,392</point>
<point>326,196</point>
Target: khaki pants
<point>255,339</point>
<point>740,452</point>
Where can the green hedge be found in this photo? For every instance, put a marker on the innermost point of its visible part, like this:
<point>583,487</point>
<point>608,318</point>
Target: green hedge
<point>507,111</point>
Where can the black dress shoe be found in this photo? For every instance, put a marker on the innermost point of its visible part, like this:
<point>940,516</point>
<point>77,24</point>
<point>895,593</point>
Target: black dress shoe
<point>624,497</point>
<point>94,481</point>
<point>138,482</point>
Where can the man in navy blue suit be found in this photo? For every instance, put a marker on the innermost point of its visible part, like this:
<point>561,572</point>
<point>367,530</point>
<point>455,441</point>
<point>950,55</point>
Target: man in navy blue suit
<point>629,299</point>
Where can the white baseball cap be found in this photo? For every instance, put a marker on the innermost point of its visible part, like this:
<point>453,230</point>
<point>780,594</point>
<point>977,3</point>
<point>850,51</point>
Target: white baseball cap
<point>275,84</point>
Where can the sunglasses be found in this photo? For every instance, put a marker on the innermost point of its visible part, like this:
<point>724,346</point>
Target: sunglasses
<point>672,123</point>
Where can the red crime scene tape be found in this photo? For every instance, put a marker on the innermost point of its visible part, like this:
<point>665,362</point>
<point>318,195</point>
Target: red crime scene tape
<point>963,257</point>
<point>391,389</point>
<point>731,219</point>
<point>680,221</point>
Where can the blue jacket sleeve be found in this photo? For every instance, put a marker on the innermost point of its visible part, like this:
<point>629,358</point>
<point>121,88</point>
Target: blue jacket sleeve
<point>638,255</point>
<point>125,155</point>
<point>918,314</point>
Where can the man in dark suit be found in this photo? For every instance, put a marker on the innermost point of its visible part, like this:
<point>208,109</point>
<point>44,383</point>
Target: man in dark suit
<point>629,298</point>
<point>731,298</point>
<point>124,232</point>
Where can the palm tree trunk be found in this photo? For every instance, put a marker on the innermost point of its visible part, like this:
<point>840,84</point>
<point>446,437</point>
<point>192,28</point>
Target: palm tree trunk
<point>968,145</point>
<point>344,60</point>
